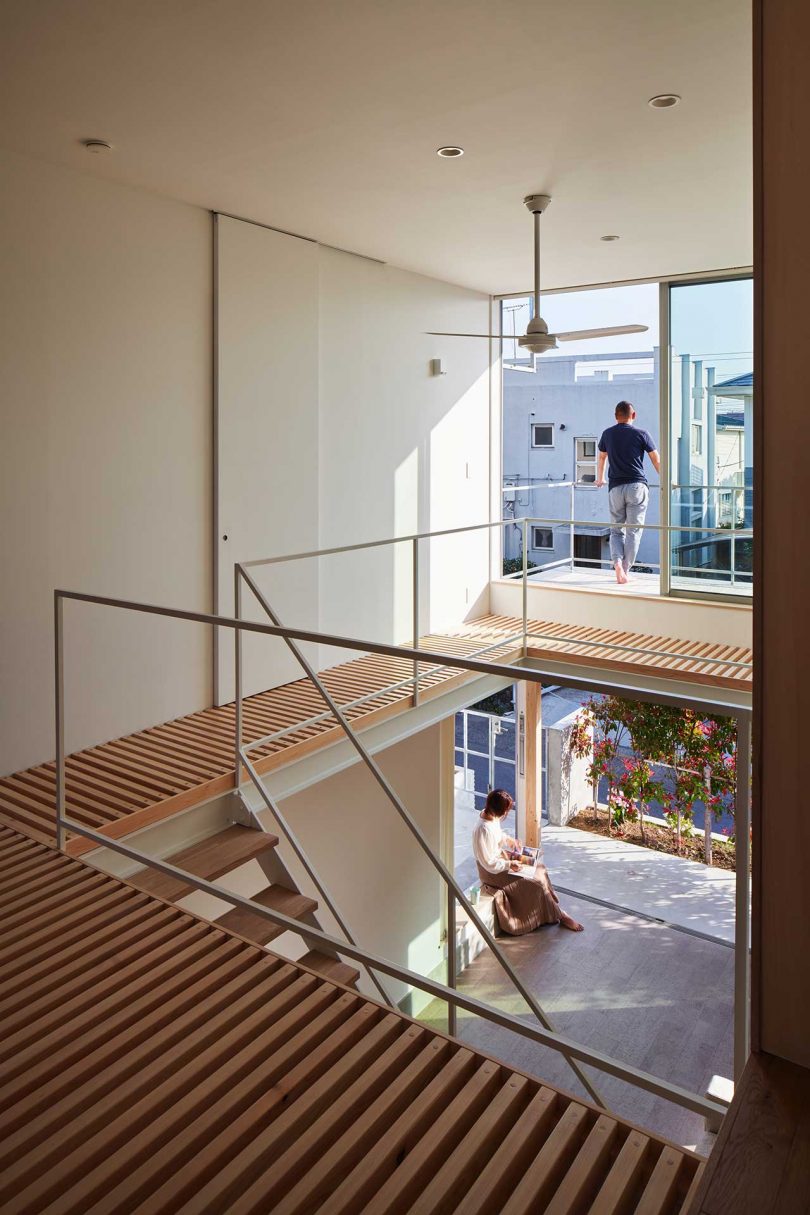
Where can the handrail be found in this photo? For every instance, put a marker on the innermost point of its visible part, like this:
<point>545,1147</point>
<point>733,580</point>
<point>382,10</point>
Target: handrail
<point>416,832</point>
<point>571,1050</point>
<point>553,1039</point>
<point>476,527</point>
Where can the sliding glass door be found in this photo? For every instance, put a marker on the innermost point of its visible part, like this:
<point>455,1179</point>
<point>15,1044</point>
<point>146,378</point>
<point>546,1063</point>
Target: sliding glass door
<point>711,456</point>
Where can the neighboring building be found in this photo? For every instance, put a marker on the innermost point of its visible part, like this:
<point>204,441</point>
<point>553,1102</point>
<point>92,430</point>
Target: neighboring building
<point>552,420</point>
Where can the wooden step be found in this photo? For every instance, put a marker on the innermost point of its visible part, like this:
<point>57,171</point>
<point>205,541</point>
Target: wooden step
<point>331,968</point>
<point>209,859</point>
<point>277,898</point>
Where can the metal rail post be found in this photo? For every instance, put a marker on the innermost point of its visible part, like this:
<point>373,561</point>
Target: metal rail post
<point>59,712</point>
<point>452,967</point>
<point>415,562</point>
<point>525,592</point>
<point>237,676</point>
<point>572,515</point>
<point>742,919</point>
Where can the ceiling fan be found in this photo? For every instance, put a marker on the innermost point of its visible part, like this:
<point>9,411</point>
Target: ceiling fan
<point>537,339</point>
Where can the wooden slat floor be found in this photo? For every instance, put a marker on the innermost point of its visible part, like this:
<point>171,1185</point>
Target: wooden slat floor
<point>153,1062</point>
<point>130,782</point>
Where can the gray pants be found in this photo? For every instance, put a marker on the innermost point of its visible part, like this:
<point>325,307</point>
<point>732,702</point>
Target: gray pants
<point>628,505</point>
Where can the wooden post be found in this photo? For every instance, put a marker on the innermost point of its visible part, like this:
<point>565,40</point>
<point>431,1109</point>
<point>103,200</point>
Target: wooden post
<point>531,783</point>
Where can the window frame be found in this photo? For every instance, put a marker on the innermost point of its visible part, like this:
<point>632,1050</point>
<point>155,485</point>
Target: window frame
<point>543,446</point>
<point>586,460</point>
<point>542,548</point>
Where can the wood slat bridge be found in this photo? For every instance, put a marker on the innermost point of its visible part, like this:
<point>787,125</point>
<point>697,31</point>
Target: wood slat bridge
<point>131,782</point>
<point>154,1062</point>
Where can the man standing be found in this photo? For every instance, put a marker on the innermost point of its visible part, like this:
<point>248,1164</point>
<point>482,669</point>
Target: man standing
<point>623,447</point>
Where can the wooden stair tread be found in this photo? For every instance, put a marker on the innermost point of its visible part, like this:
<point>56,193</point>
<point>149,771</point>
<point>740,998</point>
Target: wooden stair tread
<point>331,968</point>
<point>277,898</point>
<point>210,858</point>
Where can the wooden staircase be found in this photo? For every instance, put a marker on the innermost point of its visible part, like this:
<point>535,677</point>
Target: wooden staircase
<point>222,853</point>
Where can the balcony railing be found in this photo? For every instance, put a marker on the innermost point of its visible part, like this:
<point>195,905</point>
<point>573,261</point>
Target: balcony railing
<point>708,527</point>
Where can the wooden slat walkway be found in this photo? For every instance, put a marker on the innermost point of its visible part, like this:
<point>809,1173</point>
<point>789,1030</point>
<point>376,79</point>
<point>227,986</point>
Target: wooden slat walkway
<point>130,782</point>
<point>152,1062</point>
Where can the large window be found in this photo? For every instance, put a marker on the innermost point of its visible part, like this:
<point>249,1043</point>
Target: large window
<point>698,536</point>
<point>555,407</point>
<point>711,453</point>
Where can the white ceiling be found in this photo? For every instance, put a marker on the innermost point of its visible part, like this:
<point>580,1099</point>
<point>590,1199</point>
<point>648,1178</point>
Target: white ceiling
<point>322,117</point>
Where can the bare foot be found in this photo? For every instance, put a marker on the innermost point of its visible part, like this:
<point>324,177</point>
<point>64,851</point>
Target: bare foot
<point>621,577</point>
<point>572,925</point>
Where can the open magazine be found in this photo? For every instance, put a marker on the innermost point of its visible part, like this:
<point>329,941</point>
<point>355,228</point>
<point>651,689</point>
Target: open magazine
<point>528,857</point>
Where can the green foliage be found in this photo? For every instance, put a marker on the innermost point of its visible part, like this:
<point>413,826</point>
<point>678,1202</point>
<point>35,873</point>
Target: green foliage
<point>700,751</point>
<point>512,565</point>
<point>499,704</point>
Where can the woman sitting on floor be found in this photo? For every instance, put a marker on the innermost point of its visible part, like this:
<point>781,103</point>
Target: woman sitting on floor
<point>521,903</point>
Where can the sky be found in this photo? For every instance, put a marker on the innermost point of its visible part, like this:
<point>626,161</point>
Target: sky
<point>713,321</point>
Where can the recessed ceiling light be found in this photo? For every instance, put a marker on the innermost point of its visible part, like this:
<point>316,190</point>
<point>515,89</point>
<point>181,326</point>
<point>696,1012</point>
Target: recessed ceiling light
<point>610,236</point>
<point>664,101</point>
<point>450,152</point>
<point>96,146</point>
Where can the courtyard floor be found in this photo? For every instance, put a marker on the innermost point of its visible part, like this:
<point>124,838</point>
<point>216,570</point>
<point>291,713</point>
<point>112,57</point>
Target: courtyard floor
<point>650,981</point>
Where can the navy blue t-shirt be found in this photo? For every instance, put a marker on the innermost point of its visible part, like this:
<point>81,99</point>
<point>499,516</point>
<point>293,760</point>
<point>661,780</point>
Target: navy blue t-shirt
<point>625,446</point>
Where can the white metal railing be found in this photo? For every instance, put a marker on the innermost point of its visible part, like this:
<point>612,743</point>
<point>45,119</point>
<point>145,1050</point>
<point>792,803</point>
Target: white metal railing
<point>736,579</point>
<point>545,1035</point>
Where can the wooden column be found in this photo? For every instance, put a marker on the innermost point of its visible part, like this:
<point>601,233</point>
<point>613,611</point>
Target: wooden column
<point>781,835</point>
<point>530,787</point>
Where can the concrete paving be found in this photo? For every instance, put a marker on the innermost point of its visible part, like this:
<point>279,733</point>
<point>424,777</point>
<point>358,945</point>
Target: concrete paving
<point>681,892</point>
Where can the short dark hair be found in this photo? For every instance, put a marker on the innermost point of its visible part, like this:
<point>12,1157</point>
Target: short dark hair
<point>624,409</point>
<point>499,802</point>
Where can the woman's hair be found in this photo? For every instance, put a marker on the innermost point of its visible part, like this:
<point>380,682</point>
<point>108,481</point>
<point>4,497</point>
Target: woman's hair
<point>499,802</point>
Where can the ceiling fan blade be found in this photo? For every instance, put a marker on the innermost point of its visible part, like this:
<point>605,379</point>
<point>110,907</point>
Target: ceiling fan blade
<point>578,335</point>
<point>495,336</point>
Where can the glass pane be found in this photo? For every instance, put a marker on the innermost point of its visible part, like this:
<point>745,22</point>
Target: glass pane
<point>575,389</point>
<point>711,445</point>
<point>478,733</point>
<point>459,758</point>
<point>479,767</point>
<point>459,729</point>
<point>505,776</point>
<point>505,741</point>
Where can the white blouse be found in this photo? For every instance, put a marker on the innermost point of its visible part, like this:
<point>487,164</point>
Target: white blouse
<point>486,842</point>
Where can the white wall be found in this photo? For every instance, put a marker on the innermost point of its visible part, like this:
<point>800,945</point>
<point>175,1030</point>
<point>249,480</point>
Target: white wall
<point>105,349</point>
<point>331,431</point>
<point>389,894</point>
<point>401,450</point>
